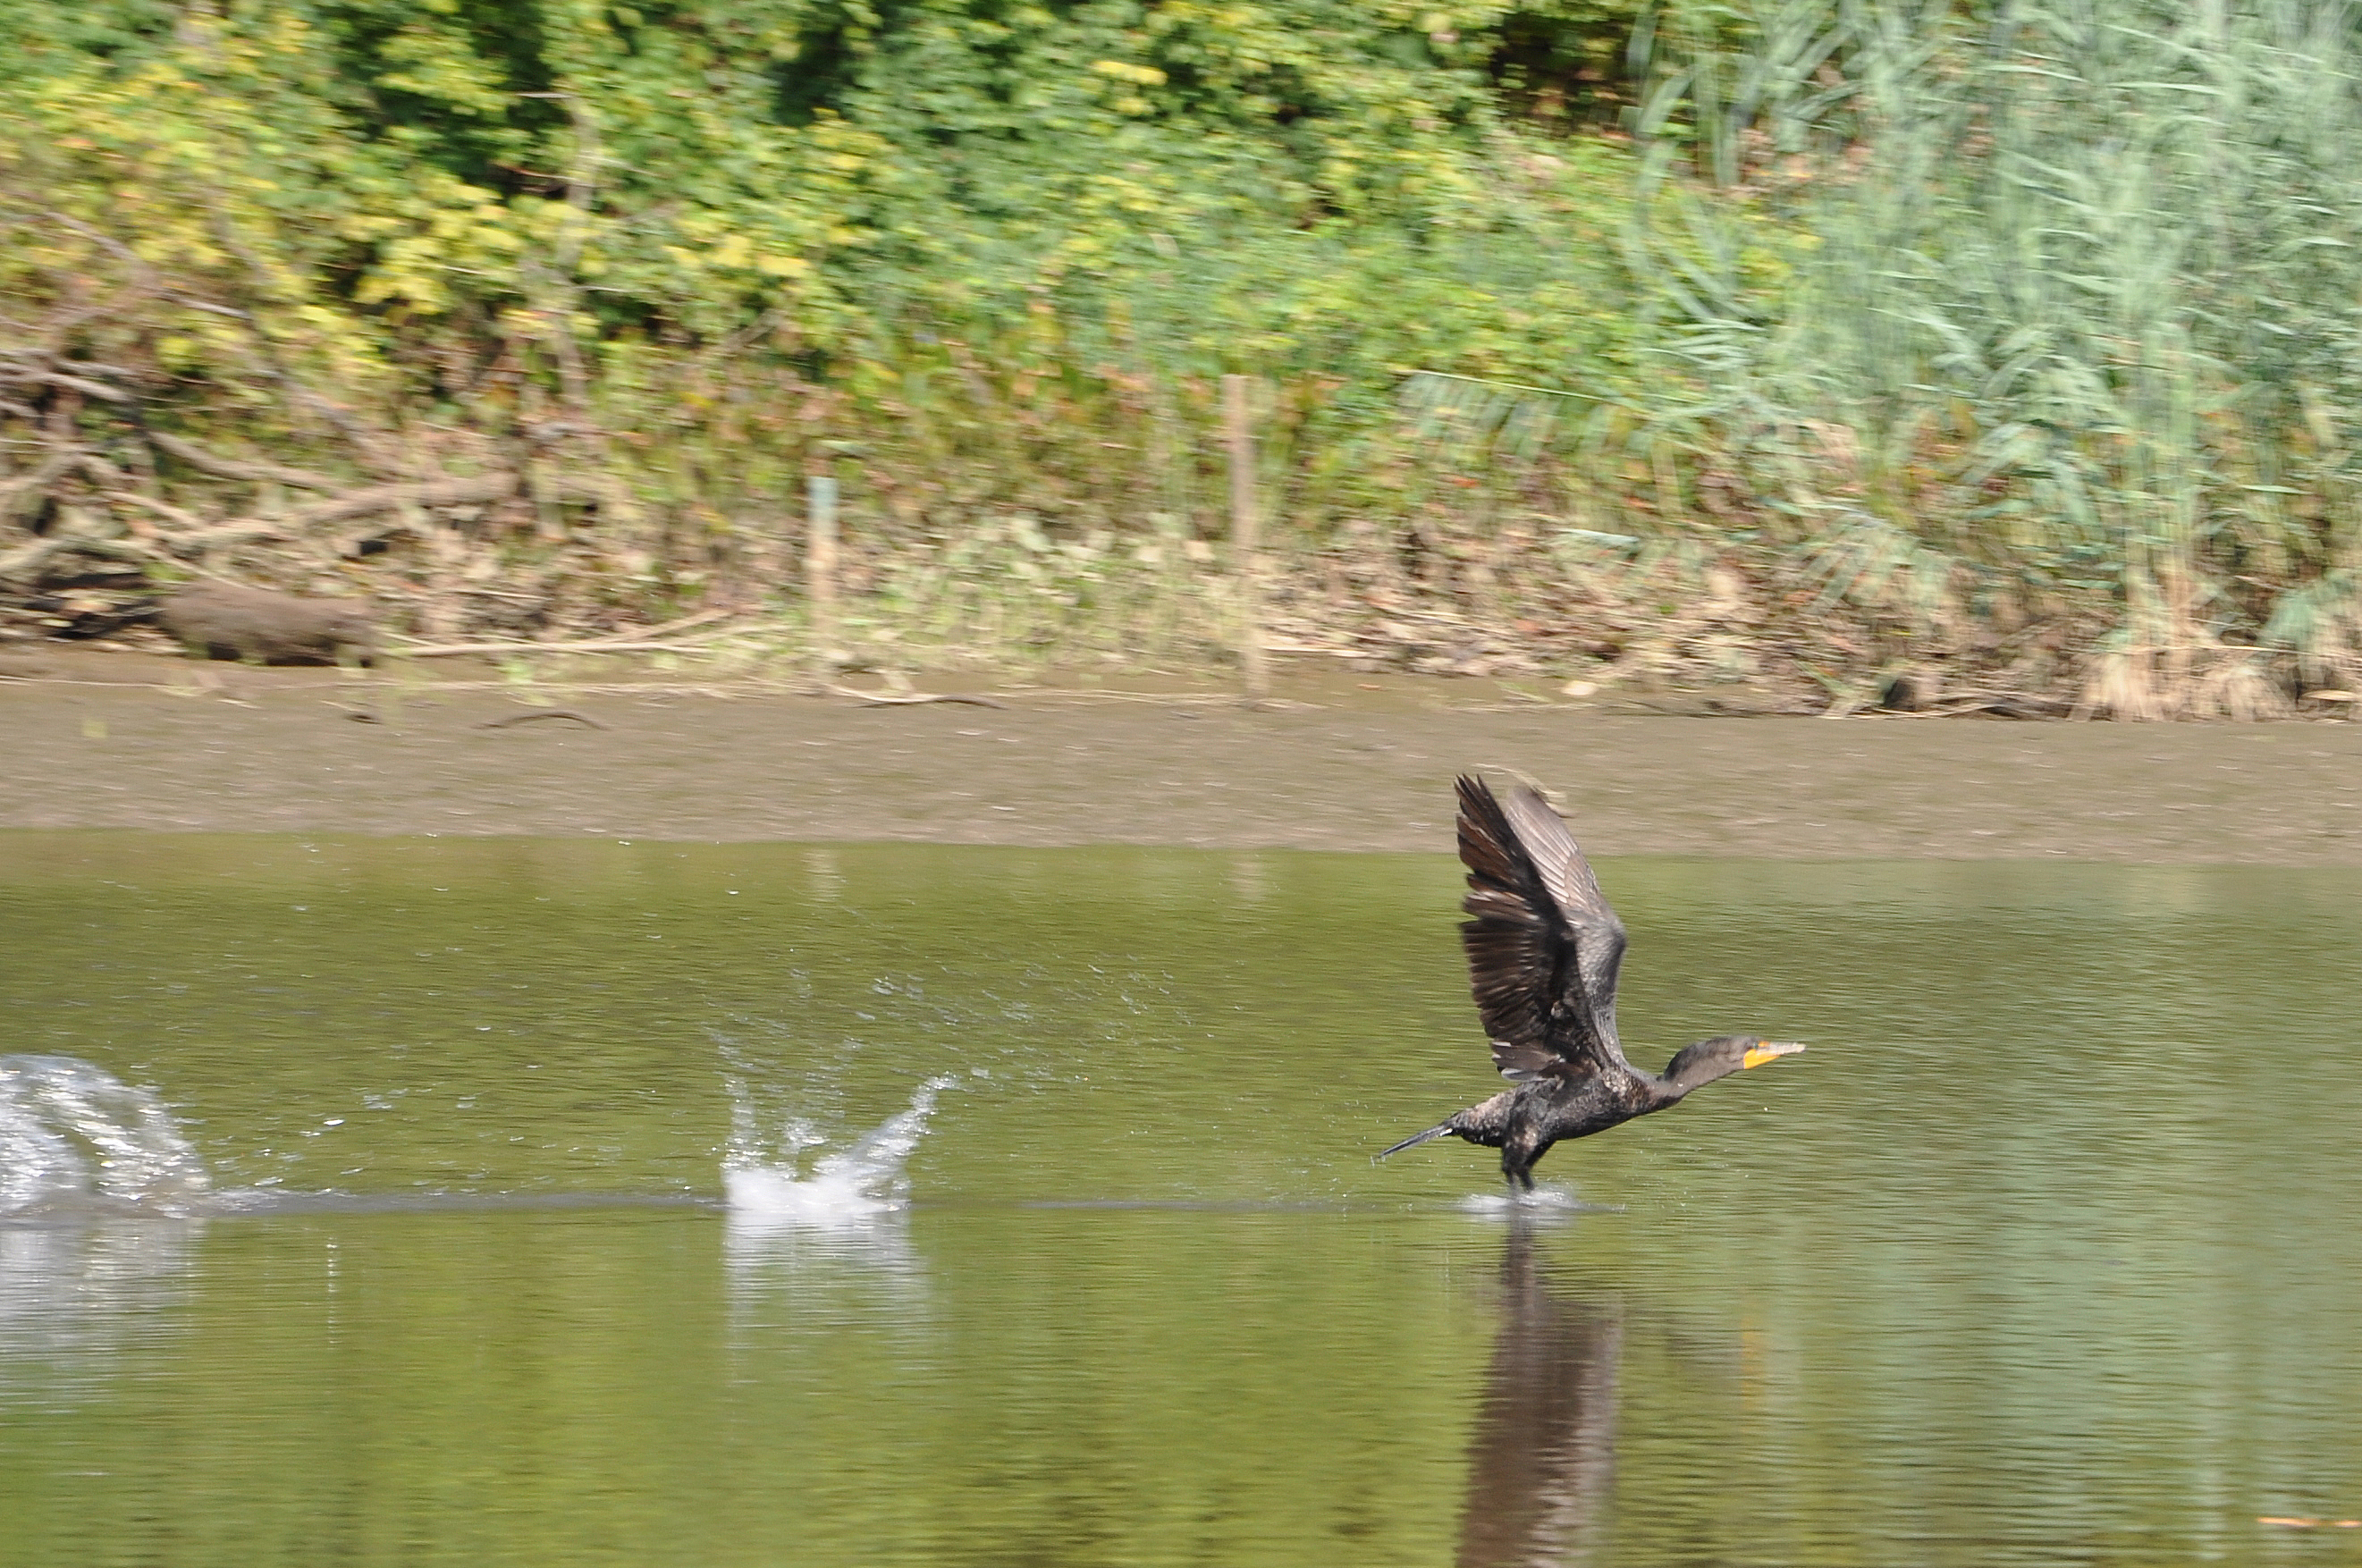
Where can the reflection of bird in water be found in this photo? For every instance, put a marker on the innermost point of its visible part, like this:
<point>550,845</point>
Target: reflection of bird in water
<point>1543,949</point>
<point>1543,1455</point>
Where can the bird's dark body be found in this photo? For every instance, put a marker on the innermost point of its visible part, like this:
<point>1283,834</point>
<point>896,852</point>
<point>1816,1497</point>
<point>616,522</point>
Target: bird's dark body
<point>1544,950</point>
<point>1523,1122</point>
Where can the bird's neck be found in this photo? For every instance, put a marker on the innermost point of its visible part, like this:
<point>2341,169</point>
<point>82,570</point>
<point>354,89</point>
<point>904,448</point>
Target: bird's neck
<point>1694,1067</point>
<point>1665,1091</point>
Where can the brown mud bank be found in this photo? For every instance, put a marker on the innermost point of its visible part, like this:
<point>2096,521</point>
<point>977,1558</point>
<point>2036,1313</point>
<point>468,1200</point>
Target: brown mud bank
<point>124,741</point>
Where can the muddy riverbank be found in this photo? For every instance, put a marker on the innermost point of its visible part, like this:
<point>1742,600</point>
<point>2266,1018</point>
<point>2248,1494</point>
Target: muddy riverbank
<point>129,741</point>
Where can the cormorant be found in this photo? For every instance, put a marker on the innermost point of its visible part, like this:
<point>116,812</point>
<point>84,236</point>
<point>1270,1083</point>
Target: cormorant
<point>1543,950</point>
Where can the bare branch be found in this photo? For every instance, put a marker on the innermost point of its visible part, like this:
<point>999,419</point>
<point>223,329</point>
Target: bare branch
<point>197,541</point>
<point>209,308</point>
<point>82,384</point>
<point>35,369</point>
<point>471,491</point>
<point>24,560</point>
<point>448,650</point>
<point>197,458</point>
<point>143,282</point>
<point>170,514</point>
<point>642,640</point>
<point>593,489</point>
<point>15,492</point>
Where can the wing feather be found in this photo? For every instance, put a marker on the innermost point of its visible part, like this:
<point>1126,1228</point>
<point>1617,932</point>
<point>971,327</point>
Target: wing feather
<point>1543,946</point>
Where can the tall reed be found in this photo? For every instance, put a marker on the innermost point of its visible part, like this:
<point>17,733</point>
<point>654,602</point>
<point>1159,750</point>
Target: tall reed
<point>2067,322</point>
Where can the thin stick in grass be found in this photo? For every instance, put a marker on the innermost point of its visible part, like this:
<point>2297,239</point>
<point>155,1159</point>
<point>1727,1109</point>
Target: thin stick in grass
<point>1245,536</point>
<point>820,569</point>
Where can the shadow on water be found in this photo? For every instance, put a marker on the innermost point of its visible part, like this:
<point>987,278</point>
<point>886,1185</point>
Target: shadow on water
<point>1541,1461</point>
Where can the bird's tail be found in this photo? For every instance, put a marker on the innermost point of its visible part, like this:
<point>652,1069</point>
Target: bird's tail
<point>1437,1131</point>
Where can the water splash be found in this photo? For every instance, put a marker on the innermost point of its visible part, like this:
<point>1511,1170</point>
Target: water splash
<point>846,1187</point>
<point>72,1137</point>
<point>1540,1201</point>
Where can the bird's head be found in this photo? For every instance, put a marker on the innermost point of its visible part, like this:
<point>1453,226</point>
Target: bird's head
<point>1723,1055</point>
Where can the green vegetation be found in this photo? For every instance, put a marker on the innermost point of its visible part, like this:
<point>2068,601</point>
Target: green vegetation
<point>2009,346</point>
<point>2070,335</point>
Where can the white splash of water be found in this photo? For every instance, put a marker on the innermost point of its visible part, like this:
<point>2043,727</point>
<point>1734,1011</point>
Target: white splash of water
<point>73,1135</point>
<point>846,1187</point>
<point>1540,1201</point>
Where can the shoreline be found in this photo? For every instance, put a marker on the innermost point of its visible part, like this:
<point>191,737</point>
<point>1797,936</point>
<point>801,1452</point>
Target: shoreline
<point>133,741</point>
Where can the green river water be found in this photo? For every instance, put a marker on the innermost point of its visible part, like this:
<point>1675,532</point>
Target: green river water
<point>2050,1250</point>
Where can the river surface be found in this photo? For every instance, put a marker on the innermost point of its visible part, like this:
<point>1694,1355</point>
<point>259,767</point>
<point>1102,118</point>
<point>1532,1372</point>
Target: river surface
<point>513,1201</point>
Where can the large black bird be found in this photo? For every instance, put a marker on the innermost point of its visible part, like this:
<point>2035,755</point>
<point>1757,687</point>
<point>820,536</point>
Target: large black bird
<point>1543,949</point>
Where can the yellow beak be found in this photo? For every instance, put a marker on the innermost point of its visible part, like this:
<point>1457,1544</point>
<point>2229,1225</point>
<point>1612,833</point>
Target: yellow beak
<point>1770,1051</point>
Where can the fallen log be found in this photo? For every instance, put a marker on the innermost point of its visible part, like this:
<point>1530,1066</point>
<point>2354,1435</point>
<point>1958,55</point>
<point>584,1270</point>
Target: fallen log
<point>222,621</point>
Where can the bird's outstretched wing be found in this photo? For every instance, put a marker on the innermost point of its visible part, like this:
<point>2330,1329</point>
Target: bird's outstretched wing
<point>1543,946</point>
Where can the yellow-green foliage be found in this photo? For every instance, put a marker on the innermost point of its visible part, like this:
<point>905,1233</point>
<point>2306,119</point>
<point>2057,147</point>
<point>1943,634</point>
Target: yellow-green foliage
<point>444,212</point>
<point>695,166</point>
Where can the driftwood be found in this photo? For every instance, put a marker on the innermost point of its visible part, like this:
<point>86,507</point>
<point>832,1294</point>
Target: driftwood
<point>2003,705</point>
<point>640,641</point>
<point>905,698</point>
<point>580,718</point>
<point>916,697</point>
